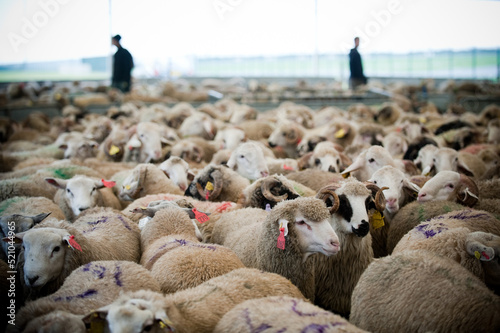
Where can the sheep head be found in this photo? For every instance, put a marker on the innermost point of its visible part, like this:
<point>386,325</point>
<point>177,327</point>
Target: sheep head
<point>450,185</point>
<point>268,191</point>
<point>249,161</point>
<point>486,247</point>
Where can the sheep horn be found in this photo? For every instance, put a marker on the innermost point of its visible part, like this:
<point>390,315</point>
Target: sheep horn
<point>467,191</point>
<point>217,176</point>
<point>379,195</point>
<point>200,189</point>
<point>266,186</point>
<point>326,193</point>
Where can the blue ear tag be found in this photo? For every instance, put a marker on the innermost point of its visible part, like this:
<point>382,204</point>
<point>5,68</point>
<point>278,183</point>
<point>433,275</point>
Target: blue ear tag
<point>268,207</point>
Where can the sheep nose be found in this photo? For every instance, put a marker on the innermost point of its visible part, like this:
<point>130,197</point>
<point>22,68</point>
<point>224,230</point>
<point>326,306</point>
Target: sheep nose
<point>157,154</point>
<point>272,145</point>
<point>83,208</point>
<point>32,280</point>
<point>421,196</point>
<point>183,187</point>
<point>362,229</point>
<point>391,201</point>
<point>335,245</point>
<point>332,169</point>
<point>264,173</point>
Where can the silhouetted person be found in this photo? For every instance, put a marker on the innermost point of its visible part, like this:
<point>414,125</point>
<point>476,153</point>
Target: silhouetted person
<point>122,66</point>
<point>356,66</point>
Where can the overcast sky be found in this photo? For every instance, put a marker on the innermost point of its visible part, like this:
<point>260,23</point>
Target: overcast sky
<point>154,30</point>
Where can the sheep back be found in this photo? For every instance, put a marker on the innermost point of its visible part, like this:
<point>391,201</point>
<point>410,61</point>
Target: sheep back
<point>30,206</point>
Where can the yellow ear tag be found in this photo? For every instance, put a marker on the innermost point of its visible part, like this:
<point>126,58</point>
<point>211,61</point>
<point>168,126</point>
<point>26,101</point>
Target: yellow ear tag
<point>477,255</point>
<point>127,187</point>
<point>114,150</point>
<point>346,175</point>
<point>340,133</point>
<point>427,174</point>
<point>209,186</point>
<point>422,120</point>
<point>378,220</point>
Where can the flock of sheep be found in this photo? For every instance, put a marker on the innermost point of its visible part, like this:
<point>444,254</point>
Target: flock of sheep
<point>156,218</point>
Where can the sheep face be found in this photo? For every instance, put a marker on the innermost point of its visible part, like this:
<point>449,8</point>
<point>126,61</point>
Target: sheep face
<point>286,135</point>
<point>450,185</point>
<point>248,160</point>
<point>80,149</point>
<point>188,151</point>
<point>149,135</point>
<point>395,144</point>
<point>230,138</point>
<point>198,124</point>
<point>370,161</point>
<point>397,184</point>
<point>177,170</point>
<point>425,158</point>
<point>445,159</point>
<point>313,236</point>
<point>44,255</point>
<point>80,192</point>
<point>21,223</point>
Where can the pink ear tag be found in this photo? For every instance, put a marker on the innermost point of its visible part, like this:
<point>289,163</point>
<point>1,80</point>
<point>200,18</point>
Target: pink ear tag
<point>281,238</point>
<point>72,242</point>
<point>199,216</point>
<point>485,255</point>
<point>286,167</point>
<point>108,184</point>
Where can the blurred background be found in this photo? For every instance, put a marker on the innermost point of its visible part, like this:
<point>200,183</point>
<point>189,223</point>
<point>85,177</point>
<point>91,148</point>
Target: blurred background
<point>70,40</point>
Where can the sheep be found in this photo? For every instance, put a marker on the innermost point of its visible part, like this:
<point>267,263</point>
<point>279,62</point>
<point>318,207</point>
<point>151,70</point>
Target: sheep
<point>207,303</point>
<point>494,131</point>
<point>221,157</point>
<point>147,179</point>
<point>325,157</point>
<point>76,145</point>
<point>396,144</point>
<point>151,136</point>
<point>450,185</point>
<point>63,169</point>
<point>53,249</point>
<point>303,220</point>
<point>313,180</point>
<point>369,134</point>
<point>282,166</point>
<point>248,160</point>
<point>198,124</point>
<point>450,159</point>
<point>114,145</point>
<point>176,258</point>
<point>10,159</point>
<point>267,192</point>
<point>459,244</point>
<point>388,114</point>
<point>88,287</point>
<point>391,291</point>
<point>368,162</point>
<point>230,138</point>
<point>194,149</point>
<point>415,146</point>
<point>16,223</point>
<point>80,193</point>
<point>425,158</point>
<point>34,185</point>
<point>412,214</point>
<point>177,170</point>
<point>30,206</point>
<point>257,129</point>
<point>280,314</point>
<point>349,203</point>
<point>287,136</point>
<point>217,183</point>
<point>400,191</point>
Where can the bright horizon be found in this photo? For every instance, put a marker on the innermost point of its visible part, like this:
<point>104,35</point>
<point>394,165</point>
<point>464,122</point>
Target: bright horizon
<point>157,31</point>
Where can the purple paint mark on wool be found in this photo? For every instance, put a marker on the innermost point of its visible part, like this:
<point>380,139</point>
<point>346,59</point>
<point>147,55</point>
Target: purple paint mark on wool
<point>300,313</point>
<point>253,329</point>
<point>125,223</point>
<point>429,233</point>
<point>86,268</point>
<point>85,294</point>
<point>337,324</point>
<point>315,328</point>
<point>103,219</point>
<point>181,241</point>
<point>89,230</point>
<point>117,276</point>
<point>463,215</point>
<point>281,330</point>
<point>421,227</point>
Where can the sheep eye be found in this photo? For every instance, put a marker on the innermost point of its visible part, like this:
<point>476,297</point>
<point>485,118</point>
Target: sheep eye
<point>317,161</point>
<point>68,190</point>
<point>147,328</point>
<point>94,189</point>
<point>284,133</point>
<point>450,185</point>
<point>433,160</point>
<point>375,182</point>
<point>371,160</point>
<point>300,222</point>
<point>242,156</point>
<point>338,161</point>
<point>56,249</point>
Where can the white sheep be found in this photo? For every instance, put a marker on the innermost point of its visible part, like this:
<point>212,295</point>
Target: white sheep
<point>368,162</point>
<point>230,138</point>
<point>198,124</point>
<point>80,193</point>
<point>197,309</point>
<point>326,157</point>
<point>350,203</point>
<point>178,171</point>
<point>396,144</point>
<point>88,287</point>
<point>53,249</point>
<point>287,136</point>
<point>300,227</point>
<point>418,291</point>
<point>248,160</point>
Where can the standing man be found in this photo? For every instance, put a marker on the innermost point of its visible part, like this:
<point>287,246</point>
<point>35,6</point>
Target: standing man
<point>356,66</point>
<point>122,66</point>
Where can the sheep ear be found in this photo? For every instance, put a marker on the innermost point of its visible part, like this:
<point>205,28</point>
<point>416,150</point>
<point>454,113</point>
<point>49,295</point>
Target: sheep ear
<point>207,126</point>
<point>480,251</point>
<point>40,217</point>
<point>358,164</point>
<point>97,317</point>
<point>410,188</point>
<point>57,182</point>
<point>18,238</point>
<point>303,162</point>
<point>464,169</point>
<point>427,170</point>
<point>63,146</point>
<point>283,223</point>
<point>231,163</point>
<point>345,160</point>
<point>162,319</point>
<point>198,156</point>
<point>190,175</point>
<point>467,191</point>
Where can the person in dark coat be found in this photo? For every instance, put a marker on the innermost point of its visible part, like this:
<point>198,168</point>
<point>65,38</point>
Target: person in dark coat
<point>356,66</point>
<point>122,66</point>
